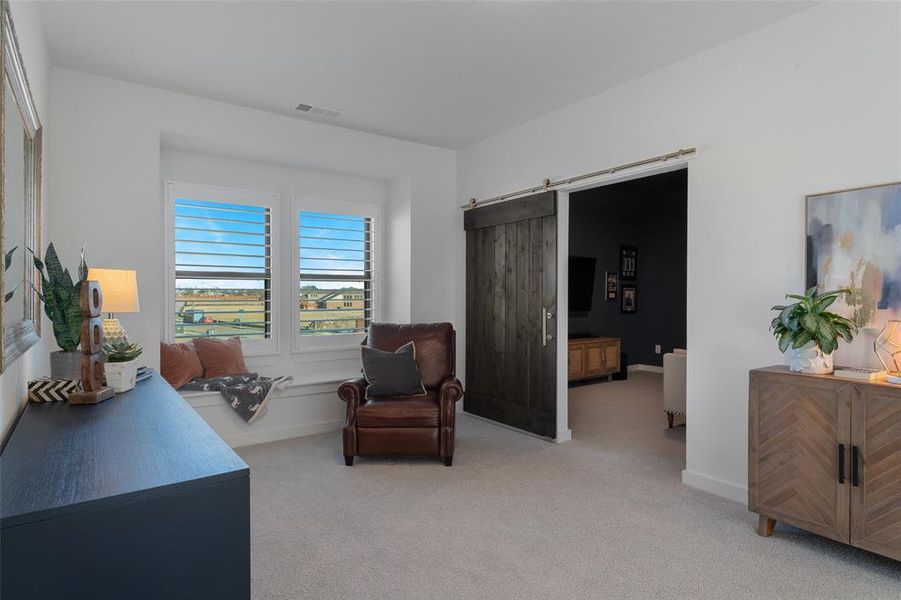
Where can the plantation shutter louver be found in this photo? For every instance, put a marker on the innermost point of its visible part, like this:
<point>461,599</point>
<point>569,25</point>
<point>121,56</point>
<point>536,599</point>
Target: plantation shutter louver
<point>335,262</point>
<point>223,269</point>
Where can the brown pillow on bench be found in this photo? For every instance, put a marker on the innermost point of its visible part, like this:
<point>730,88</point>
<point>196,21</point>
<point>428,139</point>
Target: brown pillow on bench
<point>221,357</point>
<point>179,363</point>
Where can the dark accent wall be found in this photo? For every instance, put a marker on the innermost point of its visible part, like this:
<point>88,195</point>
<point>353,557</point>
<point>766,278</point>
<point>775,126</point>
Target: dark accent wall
<point>652,214</point>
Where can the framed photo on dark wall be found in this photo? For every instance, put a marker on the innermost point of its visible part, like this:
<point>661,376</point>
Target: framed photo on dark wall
<point>612,281</point>
<point>628,263</point>
<point>629,299</point>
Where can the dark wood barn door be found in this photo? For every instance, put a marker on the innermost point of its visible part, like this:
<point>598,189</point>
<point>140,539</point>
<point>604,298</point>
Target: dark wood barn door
<point>511,313</point>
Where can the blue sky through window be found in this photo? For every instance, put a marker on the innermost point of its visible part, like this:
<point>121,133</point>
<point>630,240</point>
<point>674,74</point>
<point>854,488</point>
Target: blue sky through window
<point>218,237</point>
<point>215,237</point>
<point>333,245</point>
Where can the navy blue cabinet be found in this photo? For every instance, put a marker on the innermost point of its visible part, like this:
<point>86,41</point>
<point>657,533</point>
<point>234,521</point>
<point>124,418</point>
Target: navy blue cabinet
<point>136,497</point>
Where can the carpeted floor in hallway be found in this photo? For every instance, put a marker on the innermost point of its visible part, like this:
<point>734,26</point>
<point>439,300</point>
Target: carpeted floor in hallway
<point>603,516</point>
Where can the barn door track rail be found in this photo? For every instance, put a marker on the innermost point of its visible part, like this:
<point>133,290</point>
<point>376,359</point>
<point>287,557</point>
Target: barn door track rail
<point>547,184</point>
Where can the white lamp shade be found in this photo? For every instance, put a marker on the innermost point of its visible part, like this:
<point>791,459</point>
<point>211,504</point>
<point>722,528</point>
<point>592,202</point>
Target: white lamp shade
<point>119,288</point>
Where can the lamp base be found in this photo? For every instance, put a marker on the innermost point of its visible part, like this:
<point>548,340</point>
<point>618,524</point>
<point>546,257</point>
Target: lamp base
<point>113,331</point>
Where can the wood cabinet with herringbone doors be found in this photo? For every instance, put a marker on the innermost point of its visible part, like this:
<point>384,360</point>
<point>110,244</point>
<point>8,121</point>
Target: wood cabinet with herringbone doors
<point>824,454</point>
<point>876,499</point>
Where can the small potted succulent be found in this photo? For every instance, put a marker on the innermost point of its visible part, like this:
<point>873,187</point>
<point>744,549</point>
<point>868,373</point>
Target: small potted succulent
<point>121,365</point>
<point>808,333</point>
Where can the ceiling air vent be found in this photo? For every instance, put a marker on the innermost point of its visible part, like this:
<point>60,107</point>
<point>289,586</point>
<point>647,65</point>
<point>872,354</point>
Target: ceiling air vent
<point>319,111</point>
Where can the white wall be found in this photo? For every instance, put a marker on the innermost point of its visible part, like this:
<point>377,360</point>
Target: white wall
<point>396,276</point>
<point>34,363</point>
<point>808,104</point>
<point>108,181</point>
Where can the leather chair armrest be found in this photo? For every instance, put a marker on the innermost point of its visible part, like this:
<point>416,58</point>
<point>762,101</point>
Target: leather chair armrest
<point>352,392</point>
<point>451,390</point>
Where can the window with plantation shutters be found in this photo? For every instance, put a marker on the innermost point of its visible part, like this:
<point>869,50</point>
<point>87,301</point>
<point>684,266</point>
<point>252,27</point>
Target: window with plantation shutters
<point>223,264</point>
<point>336,263</point>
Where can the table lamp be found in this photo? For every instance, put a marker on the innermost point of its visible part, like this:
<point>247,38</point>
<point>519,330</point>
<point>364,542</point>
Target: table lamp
<point>120,295</point>
<point>888,349</point>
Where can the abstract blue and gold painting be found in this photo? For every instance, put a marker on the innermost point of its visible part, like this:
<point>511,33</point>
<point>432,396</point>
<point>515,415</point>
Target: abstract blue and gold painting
<point>854,242</point>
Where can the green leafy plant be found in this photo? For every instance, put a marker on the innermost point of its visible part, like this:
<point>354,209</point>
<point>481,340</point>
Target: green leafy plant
<point>117,352</point>
<point>61,297</point>
<point>807,320</point>
<point>7,263</point>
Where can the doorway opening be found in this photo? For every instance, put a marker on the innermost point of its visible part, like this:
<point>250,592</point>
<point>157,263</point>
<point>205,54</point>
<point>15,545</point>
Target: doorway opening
<point>627,306</point>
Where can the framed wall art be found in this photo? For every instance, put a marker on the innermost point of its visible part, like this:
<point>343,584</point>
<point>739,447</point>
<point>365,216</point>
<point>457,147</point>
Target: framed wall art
<point>612,283</point>
<point>854,242</point>
<point>629,299</point>
<point>628,263</point>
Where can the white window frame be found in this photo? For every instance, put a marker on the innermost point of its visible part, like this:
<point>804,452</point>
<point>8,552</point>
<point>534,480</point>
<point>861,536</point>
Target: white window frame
<point>210,193</point>
<point>317,343</point>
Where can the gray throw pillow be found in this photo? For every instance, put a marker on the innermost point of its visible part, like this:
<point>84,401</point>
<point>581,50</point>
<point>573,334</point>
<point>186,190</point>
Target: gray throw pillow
<point>392,373</point>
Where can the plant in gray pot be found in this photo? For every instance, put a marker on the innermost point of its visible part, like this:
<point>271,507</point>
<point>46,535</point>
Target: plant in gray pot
<point>61,296</point>
<point>808,333</point>
<point>121,365</point>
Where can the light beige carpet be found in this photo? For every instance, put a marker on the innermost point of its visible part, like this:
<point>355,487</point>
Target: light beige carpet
<point>603,516</point>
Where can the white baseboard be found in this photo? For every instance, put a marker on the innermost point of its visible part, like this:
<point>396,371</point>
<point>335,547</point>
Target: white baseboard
<point>715,486</point>
<point>283,433</point>
<point>565,435</point>
<point>647,368</point>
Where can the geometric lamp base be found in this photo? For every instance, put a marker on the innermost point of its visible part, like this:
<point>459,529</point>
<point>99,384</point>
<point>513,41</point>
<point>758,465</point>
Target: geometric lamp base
<point>113,331</point>
<point>887,347</point>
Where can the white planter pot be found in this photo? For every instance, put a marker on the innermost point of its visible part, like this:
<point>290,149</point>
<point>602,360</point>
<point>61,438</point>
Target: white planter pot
<point>809,359</point>
<point>121,375</point>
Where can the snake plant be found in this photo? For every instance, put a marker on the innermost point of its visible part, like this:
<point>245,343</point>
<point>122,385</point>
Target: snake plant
<point>61,297</point>
<point>807,320</point>
<point>7,263</point>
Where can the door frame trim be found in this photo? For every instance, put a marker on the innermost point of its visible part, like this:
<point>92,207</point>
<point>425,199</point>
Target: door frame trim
<point>564,433</point>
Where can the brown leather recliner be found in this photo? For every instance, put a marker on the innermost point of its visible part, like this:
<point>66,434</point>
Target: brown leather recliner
<point>406,425</point>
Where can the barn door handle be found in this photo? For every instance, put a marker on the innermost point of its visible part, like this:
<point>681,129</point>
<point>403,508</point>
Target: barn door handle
<point>855,466</point>
<point>545,317</point>
<point>841,463</point>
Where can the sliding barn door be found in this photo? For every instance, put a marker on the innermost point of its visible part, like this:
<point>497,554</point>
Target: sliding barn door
<point>511,313</point>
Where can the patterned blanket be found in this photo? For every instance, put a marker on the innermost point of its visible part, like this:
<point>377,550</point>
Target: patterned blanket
<point>246,394</point>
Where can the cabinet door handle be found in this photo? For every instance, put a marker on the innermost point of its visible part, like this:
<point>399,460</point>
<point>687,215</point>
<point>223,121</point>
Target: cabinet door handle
<point>841,463</point>
<point>855,466</point>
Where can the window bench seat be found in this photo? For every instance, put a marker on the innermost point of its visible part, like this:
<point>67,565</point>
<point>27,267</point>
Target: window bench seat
<point>307,406</point>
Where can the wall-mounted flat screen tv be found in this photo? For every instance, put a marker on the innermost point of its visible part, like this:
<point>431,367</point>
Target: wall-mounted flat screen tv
<point>581,282</point>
